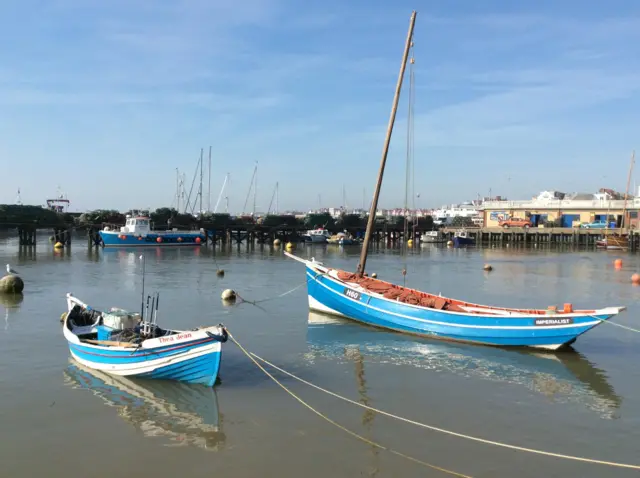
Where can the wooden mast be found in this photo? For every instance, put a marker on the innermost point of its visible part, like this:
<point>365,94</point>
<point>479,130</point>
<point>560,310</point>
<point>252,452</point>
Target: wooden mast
<point>385,150</point>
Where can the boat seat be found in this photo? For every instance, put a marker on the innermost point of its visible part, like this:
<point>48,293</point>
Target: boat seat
<point>84,330</point>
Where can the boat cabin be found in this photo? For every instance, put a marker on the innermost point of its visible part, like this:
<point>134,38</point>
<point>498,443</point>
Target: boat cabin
<point>137,225</point>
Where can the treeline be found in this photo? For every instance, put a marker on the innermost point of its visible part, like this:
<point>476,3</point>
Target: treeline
<point>20,214</point>
<point>168,217</point>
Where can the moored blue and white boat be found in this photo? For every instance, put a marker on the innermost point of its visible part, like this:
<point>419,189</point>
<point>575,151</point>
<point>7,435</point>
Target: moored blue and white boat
<point>381,304</point>
<point>137,232</point>
<point>121,343</point>
<point>461,238</point>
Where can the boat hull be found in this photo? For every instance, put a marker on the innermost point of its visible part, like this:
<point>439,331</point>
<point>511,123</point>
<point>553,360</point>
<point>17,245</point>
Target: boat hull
<point>191,362</point>
<point>463,241</point>
<point>156,239</point>
<point>330,295</point>
<point>315,238</point>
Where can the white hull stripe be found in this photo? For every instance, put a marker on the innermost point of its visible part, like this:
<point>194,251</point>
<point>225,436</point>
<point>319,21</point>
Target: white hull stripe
<point>147,365</point>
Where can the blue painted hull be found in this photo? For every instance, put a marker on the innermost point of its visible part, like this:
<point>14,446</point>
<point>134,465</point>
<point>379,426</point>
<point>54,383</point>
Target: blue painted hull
<point>463,241</point>
<point>167,239</point>
<point>191,362</point>
<point>331,295</point>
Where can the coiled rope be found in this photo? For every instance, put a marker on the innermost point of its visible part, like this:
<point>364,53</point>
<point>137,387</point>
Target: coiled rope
<point>448,432</point>
<point>334,423</point>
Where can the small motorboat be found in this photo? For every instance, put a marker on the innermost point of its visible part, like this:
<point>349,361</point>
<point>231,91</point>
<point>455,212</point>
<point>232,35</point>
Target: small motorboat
<point>461,238</point>
<point>317,236</point>
<point>613,243</point>
<point>119,342</point>
<point>342,239</point>
<point>433,237</point>
<point>137,232</point>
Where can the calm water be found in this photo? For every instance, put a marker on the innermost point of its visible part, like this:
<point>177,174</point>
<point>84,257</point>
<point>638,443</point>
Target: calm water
<point>60,420</point>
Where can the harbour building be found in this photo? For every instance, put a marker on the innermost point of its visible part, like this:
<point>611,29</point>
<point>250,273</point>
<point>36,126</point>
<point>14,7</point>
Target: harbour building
<point>558,209</point>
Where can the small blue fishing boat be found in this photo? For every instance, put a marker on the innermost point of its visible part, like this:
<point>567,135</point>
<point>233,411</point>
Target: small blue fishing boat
<point>181,413</point>
<point>382,304</point>
<point>137,233</point>
<point>461,238</point>
<point>124,343</point>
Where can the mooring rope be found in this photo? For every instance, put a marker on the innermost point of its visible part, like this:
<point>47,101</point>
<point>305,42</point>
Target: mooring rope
<point>449,432</point>
<point>334,423</point>
<point>255,302</point>
<point>606,321</point>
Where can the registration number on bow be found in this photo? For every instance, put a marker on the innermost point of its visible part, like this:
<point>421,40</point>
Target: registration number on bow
<point>352,293</point>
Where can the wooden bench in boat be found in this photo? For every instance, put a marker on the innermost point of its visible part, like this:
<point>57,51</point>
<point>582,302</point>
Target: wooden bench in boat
<point>110,343</point>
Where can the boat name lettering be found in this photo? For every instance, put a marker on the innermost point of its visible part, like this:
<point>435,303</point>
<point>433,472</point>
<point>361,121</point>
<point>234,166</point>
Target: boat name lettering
<point>352,293</point>
<point>563,321</point>
<point>173,338</point>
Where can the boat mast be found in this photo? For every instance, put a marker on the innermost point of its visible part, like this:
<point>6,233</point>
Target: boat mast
<point>209,193</point>
<point>626,194</point>
<point>201,155</point>
<point>385,149</point>
<point>255,191</point>
<point>178,190</point>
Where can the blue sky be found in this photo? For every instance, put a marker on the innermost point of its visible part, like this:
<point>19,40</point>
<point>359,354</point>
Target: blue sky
<point>106,98</point>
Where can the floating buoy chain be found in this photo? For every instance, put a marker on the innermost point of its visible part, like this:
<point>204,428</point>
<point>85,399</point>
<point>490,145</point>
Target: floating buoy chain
<point>336,424</point>
<point>449,432</point>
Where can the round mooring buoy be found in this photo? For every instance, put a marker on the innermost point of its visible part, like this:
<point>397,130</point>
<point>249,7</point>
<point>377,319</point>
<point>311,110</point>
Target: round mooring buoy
<point>220,272</point>
<point>11,284</point>
<point>617,263</point>
<point>410,242</point>
<point>635,279</point>
<point>449,243</point>
<point>290,246</point>
<point>374,275</point>
<point>228,295</point>
<point>58,245</point>
<point>277,242</point>
<point>487,267</point>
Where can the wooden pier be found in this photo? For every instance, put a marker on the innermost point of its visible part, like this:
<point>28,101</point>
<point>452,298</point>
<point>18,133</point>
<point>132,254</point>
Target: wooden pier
<point>538,235</point>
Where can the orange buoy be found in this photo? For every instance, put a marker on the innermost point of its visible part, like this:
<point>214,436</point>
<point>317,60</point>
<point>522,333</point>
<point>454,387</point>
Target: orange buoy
<point>159,239</point>
<point>635,279</point>
<point>198,240</point>
<point>179,239</point>
<point>617,263</point>
<point>568,308</point>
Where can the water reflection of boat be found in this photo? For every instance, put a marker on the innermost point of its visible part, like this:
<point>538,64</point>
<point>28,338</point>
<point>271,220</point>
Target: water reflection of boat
<point>565,377</point>
<point>182,413</point>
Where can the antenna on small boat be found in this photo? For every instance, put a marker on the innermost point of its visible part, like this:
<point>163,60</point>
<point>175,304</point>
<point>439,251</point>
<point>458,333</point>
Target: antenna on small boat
<point>142,295</point>
<point>155,312</point>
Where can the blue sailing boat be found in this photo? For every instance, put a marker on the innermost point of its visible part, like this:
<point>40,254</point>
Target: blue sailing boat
<point>382,304</point>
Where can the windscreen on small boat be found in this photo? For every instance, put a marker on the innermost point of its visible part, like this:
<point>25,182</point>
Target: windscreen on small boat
<point>79,317</point>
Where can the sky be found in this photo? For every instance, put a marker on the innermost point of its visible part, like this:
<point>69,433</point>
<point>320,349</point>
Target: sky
<point>105,99</point>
